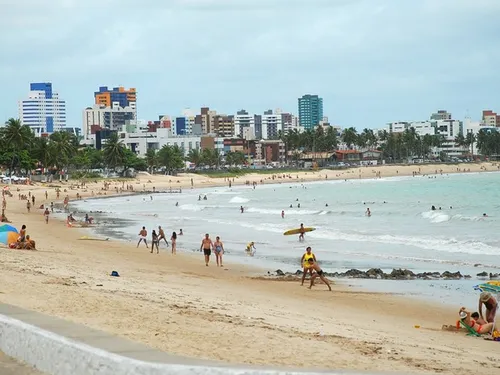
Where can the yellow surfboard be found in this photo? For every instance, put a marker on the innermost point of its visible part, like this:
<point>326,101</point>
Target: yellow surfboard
<point>297,231</point>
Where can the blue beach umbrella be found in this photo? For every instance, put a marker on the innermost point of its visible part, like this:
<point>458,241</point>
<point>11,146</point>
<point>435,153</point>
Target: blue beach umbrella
<point>8,228</point>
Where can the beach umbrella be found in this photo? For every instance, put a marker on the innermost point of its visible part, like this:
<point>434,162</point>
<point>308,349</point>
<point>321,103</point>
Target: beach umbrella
<point>8,237</point>
<point>490,286</point>
<point>8,228</point>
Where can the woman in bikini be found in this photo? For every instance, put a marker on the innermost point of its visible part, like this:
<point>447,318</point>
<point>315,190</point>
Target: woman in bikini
<point>465,317</point>
<point>219,250</point>
<point>173,240</point>
<point>155,242</point>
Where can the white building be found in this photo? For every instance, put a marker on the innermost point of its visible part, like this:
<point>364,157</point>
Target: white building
<point>243,120</point>
<point>291,123</point>
<point>43,111</point>
<point>271,124</point>
<point>112,118</point>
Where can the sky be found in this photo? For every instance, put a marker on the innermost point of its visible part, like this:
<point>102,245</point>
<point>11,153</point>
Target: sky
<point>372,61</point>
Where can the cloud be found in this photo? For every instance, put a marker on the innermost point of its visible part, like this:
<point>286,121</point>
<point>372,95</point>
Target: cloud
<point>256,54</point>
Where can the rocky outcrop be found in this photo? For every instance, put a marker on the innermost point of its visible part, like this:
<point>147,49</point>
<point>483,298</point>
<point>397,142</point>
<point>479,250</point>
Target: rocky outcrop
<point>395,274</point>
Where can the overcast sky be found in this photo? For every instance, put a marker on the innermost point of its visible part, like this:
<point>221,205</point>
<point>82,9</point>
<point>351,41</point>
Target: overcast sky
<point>372,61</point>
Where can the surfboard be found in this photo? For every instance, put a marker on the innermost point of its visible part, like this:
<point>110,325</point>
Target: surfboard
<point>297,231</point>
<point>93,238</point>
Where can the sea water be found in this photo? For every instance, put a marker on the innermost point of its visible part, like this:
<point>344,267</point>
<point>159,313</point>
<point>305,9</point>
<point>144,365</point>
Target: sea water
<point>402,231</point>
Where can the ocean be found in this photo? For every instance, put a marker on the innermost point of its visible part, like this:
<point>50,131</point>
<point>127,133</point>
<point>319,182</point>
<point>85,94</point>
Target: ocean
<point>402,232</point>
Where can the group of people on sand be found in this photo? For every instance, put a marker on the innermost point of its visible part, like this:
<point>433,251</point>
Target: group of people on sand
<point>479,323</point>
<point>207,245</point>
<point>24,242</point>
<point>157,237</point>
<point>310,266</point>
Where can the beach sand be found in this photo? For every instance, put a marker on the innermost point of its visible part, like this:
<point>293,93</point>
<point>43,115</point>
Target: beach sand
<point>176,304</point>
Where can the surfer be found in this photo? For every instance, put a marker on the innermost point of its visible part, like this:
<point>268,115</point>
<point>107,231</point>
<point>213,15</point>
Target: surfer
<point>206,246</point>
<point>142,237</point>
<point>319,273</point>
<point>219,250</point>
<point>302,230</point>
<point>305,263</point>
<point>248,249</point>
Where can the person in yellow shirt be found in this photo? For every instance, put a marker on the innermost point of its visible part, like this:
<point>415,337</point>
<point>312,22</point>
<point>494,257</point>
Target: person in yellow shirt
<point>250,249</point>
<point>305,263</point>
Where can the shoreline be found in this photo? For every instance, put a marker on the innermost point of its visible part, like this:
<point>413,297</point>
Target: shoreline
<point>176,305</point>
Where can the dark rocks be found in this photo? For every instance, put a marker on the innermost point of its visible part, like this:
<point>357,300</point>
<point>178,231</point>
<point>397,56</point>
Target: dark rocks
<point>401,274</point>
<point>448,275</point>
<point>377,273</point>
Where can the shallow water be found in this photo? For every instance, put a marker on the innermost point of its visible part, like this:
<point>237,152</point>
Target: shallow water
<point>401,233</point>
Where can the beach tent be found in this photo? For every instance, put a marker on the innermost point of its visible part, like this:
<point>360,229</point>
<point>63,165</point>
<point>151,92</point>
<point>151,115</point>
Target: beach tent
<point>8,228</point>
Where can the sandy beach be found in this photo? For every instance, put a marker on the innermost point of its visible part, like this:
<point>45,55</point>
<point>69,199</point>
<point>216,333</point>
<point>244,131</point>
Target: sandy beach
<point>176,304</point>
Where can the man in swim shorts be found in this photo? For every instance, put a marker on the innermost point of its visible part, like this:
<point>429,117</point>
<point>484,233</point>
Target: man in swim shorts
<point>305,263</point>
<point>491,304</point>
<point>302,231</point>
<point>161,235</point>
<point>206,246</point>
<point>319,273</point>
<point>143,234</point>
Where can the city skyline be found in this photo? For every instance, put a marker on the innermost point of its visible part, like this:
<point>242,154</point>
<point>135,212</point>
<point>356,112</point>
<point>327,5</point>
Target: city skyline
<point>353,54</point>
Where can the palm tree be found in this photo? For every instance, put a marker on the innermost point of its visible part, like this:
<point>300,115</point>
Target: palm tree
<point>470,139</point>
<point>65,144</point>
<point>114,151</point>
<point>45,152</point>
<point>194,156</point>
<point>17,136</point>
<point>349,137</point>
<point>151,159</point>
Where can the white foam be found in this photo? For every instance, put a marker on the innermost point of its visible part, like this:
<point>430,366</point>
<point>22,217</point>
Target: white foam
<point>428,243</point>
<point>191,207</point>
<point>289,211</point>
<point>436,216</point>
<point>238,200</point>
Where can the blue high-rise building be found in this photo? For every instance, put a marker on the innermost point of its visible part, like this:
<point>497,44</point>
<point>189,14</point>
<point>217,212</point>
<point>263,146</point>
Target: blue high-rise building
<point>43,111</point>
<point>310,111</point>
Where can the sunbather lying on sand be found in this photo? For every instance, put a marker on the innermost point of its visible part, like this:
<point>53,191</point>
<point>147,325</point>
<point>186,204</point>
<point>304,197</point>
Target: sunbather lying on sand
<point>465,317</point>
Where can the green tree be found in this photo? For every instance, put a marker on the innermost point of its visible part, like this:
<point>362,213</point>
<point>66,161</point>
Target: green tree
<point>151,159</point>
<point>114,152</point>
<point>349,137</point>
<point>64,145</point>
<point>194,156</point>
<point>171,157</point>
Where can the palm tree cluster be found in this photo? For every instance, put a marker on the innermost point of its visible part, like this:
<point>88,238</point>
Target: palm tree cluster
<point>21,151</point>
<point>488,142</point>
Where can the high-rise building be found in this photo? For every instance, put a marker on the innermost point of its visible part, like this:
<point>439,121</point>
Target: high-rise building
<point>43,111</point>
<point>242,121</point>
<point>310,111</point>
<point>100,117</point>
<point>491,118</point>
<point>223,125</point>
<point>118,96</point>
<point>271,124</point>
<point>441,115</point>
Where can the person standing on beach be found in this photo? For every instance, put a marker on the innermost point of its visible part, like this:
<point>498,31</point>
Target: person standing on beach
<point>302,231</point>
<point>219,250</point>
<point>206,246</point>
<point>319,273</point>
<point>46,214</point>
<point>305,263</point>
<point>143,234</point>
<point>161,235</point>
<point>154,242</point>
<point>491,304</point>
<point>173,240</point>
<point>28,206</point>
